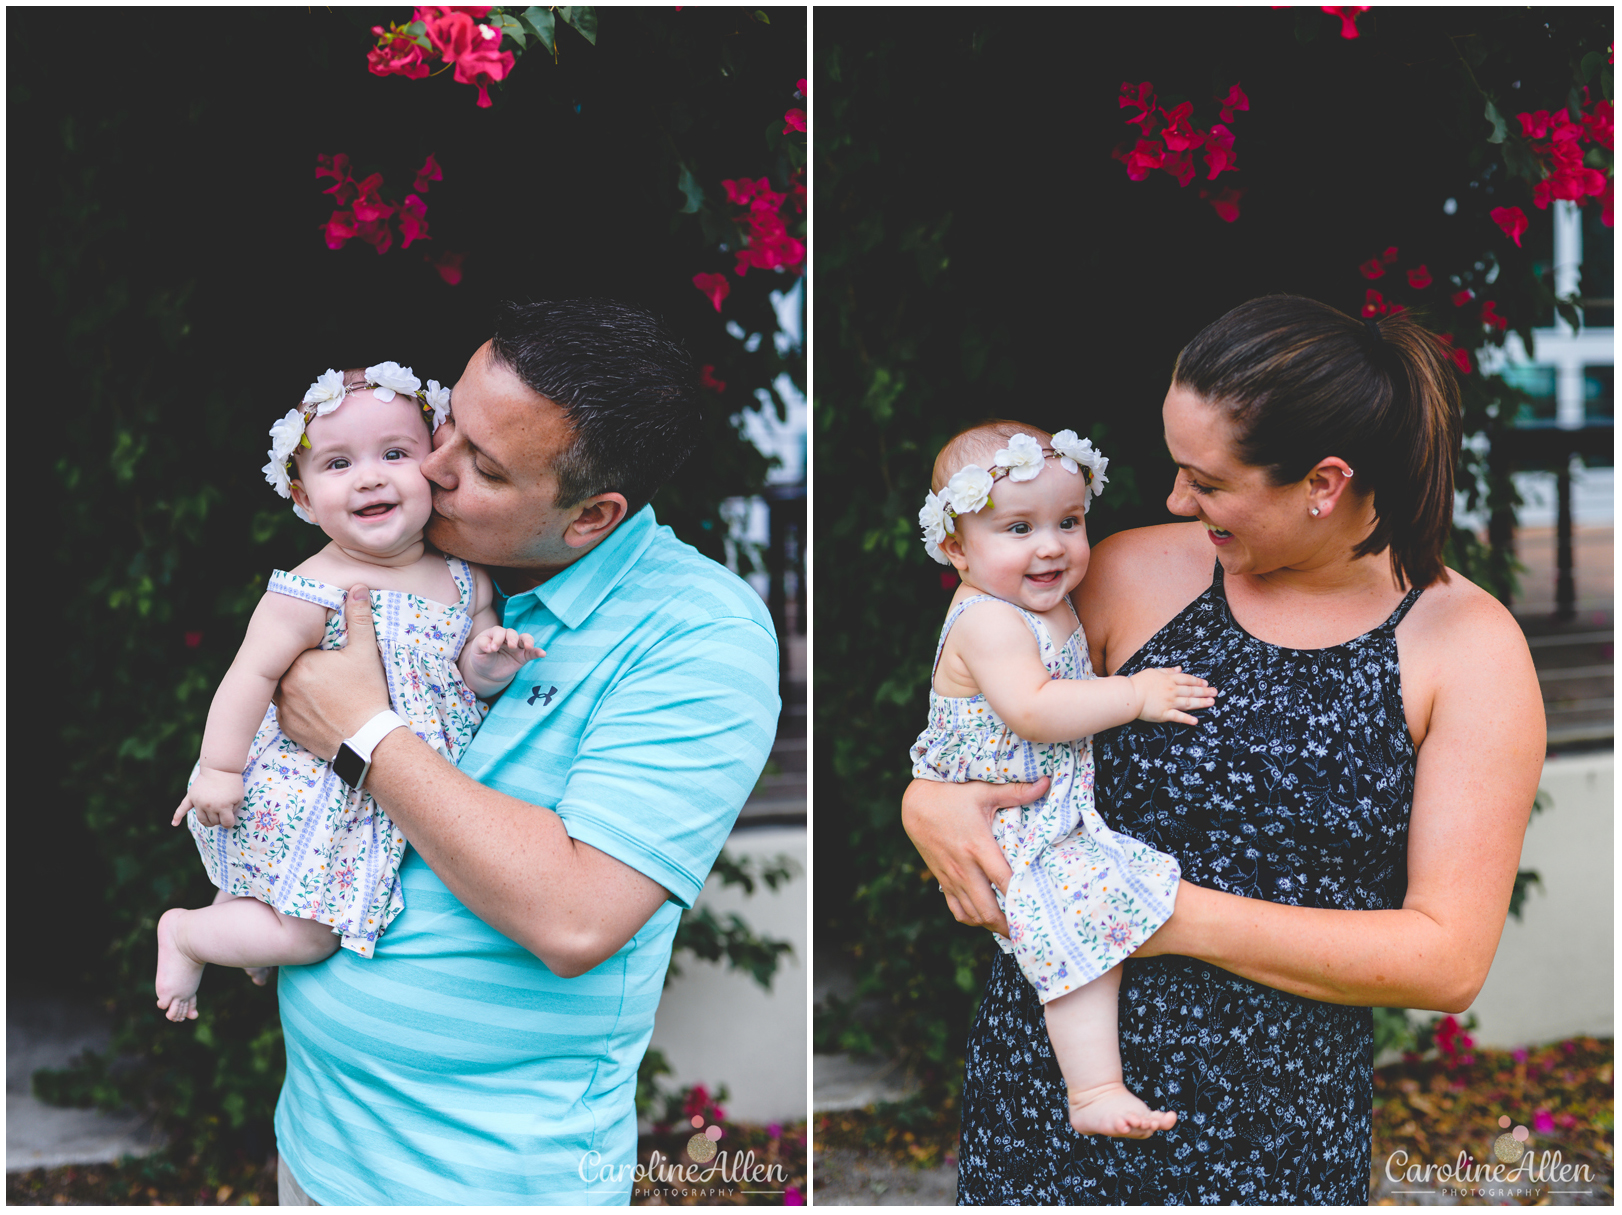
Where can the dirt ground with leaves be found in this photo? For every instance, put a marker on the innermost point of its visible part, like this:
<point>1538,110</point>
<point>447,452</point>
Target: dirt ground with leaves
<point>1431,1109</point>
<point>166,1179</point>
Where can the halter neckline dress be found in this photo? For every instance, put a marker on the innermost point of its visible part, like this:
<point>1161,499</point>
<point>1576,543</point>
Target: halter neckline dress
<point>305,842</point>
<point>1082,897</point>
<point>1296,788</point>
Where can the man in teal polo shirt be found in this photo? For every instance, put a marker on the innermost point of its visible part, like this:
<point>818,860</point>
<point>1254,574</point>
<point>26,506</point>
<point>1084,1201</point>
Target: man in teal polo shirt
<point>488,1053</point>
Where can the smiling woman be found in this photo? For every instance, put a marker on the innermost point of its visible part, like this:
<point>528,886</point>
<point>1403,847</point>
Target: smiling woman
<point>1346,816</point>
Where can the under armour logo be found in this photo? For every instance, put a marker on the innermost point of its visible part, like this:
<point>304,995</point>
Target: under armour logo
<point>544,697</point>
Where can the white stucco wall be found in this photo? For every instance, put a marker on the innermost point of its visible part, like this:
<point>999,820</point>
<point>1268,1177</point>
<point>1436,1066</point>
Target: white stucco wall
<point>1554,971</point>
<point>718,1027</point>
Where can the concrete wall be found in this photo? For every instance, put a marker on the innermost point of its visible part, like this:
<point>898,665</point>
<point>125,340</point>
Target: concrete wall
<point>1554,971</point>
<point>718,1027</point>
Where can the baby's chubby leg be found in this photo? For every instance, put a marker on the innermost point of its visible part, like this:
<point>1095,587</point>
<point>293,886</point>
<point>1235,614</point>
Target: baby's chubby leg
<point>232,932</point>
<point>1082,1026</point>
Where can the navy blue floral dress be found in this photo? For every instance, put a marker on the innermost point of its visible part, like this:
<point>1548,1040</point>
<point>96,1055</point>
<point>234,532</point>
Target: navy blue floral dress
<point>1295,788</point>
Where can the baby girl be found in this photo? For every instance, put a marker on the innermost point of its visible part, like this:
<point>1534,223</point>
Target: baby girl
<point>304,860</point>
<point>1013,687</point>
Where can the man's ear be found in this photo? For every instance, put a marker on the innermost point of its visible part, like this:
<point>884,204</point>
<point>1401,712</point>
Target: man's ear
<point>598,516</point>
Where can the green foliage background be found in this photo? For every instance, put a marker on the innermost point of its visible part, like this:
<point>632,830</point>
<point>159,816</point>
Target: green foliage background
<point>978,253</point>
<point>171,296</point>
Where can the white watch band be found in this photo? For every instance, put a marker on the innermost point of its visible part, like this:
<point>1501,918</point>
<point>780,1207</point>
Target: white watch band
<point>368,736</point>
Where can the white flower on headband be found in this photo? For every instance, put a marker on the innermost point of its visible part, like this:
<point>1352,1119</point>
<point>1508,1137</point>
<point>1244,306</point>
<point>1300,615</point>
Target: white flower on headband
<point>439,400</point>
<point>1022,458</point>
<point>390,378</point>
<point>969,489</point>
<point>1075,453</point>
<point>936,523</point>
<point>284,437</point>
<point>327,393</point>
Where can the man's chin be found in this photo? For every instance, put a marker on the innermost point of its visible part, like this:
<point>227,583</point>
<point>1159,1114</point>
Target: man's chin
<point>441,533</point>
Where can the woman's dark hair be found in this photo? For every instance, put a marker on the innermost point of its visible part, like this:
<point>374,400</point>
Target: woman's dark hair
<point>1301,381</point>
<point>627,386</point>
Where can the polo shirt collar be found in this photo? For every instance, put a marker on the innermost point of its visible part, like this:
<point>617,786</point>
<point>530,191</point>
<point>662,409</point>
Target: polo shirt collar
<point>574,593</point>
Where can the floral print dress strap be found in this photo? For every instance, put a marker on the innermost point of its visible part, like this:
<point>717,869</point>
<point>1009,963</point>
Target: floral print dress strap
<point>1043,641</point>
<point>462,575</point>
<point>299,587</point>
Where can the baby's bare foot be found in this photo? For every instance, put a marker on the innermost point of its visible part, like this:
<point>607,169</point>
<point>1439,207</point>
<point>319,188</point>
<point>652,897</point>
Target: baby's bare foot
<point>178,972</point>
<point>260,974</point>
<point>1113,1109</point>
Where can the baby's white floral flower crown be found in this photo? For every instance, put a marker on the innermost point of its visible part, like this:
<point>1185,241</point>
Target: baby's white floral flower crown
<point>1023,458</point>
<point>325,395</point>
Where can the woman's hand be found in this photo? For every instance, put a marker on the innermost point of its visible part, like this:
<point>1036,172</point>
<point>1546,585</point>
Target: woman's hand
<point>950,825</point>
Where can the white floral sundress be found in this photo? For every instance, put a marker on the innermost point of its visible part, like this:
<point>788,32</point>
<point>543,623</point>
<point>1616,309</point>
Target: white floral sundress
<point>1082,897</point>
<point>305,842</point>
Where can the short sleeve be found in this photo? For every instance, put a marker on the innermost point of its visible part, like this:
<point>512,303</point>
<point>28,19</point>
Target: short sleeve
<point>673,750</point>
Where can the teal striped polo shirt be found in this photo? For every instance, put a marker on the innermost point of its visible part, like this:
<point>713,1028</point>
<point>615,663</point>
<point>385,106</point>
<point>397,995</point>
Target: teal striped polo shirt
<point>454,1068</point>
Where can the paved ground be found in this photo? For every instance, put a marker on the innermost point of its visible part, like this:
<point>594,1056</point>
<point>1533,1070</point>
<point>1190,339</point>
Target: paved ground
<point>846,1178</point>
<point>46,1031</point>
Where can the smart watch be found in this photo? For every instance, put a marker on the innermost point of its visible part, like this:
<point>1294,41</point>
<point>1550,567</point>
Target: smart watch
<point>354,758</point>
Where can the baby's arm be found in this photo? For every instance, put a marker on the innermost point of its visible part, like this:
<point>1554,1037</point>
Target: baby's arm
<point>1002,657</point>
<point>493,655</point>
<point>281,629</point>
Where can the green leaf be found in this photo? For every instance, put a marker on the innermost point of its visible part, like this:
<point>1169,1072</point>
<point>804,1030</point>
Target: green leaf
<point>1519,160</point>
<point>1499,129</point>
<point>1590,65</point>
<point>540,21</point>
<point>688,185</point>
<point>584,19</point>
<point>761,17</point>
<point>509,25</point>
<point>1574,104</point>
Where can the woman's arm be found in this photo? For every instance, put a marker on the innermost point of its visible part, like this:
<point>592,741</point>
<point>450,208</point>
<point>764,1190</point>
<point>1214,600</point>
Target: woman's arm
<point>950,825</point>
<point>1479,761</point>
<point>281,629</point>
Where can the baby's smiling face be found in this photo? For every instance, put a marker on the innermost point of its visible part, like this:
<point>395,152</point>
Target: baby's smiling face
<point>1028,546</point>
<point>360,479</point>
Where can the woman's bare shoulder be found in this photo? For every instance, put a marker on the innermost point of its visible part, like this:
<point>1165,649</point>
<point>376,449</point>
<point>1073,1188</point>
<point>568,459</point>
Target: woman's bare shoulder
<point>1459,624</point>
<point>1171,561</point>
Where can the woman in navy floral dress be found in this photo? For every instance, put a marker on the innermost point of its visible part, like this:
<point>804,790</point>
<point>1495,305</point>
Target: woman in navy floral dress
<point>1348,816</point>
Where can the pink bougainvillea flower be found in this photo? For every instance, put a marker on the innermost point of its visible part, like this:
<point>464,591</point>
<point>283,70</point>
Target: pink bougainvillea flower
<point>430,172</point>
<point>1543,1123</point>
<point>794,120</point>
<point>949,580</point>
<point>741,190</point>
<point>1419,278</point>
<point>1181,135</point>
<point>1574,185</point>
<point>715,286</point>
<point>396,54</point>
<point>1461,360</point>
<point>413,221</point>
<point>1348,14</point>
<point>1140,95</point>
<point>1607,205</point>
<point>1541,195</point>
<point>792,1197</point>
<point>1461,298</point>
<point>1373,303</point>
<point>448,264</point>
<point>1219,151</point>
<point>336,167</point>
<point>797,190</point>
<point>1224,202</point>
<point>1512,220</point>
<point>339,230</point>
<point>1599,125</point>
<point>1235,100</point>
<point>193,640</point>
<point>1394,308</point>
<point>1180,166</point>
<point>800,87</point>
<point>1491,316</point>
<point>475,50</point>
<point>706,373</point>
<point>1534,125</point>
<point>369,206</point>
<point>1373,268</point>
<point>1389,256</point>
<point>376,233</point>
<point>1149,154</point>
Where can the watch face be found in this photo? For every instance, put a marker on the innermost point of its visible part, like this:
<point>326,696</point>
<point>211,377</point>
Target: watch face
<point>349,766</point>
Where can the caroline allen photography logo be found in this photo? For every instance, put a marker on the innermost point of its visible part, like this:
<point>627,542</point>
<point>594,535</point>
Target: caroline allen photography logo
<point>710,1171</point>
<point>1517,1170</point>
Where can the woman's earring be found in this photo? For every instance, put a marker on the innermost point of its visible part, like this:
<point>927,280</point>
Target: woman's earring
<point>1313,512</point>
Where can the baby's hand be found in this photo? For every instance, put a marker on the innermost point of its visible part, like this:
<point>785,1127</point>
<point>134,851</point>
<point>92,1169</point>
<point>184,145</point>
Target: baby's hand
<point>495,655</point>
<point>1167,692</point>
<point>215,795</point>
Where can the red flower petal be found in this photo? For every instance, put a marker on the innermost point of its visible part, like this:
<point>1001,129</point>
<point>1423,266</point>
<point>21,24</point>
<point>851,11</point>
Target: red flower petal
<point>1461,298</point>
<point>1373,268</point>
<point>1348,15</point>
<point>1373,303</point>
<point>1512,220</point>
<point>715,286</point>
<point>1389,256</point>
<point>1419,278</point>
<point>449,265</point>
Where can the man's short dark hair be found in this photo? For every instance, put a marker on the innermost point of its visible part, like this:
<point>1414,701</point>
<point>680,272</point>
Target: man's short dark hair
<point>626,384</point>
